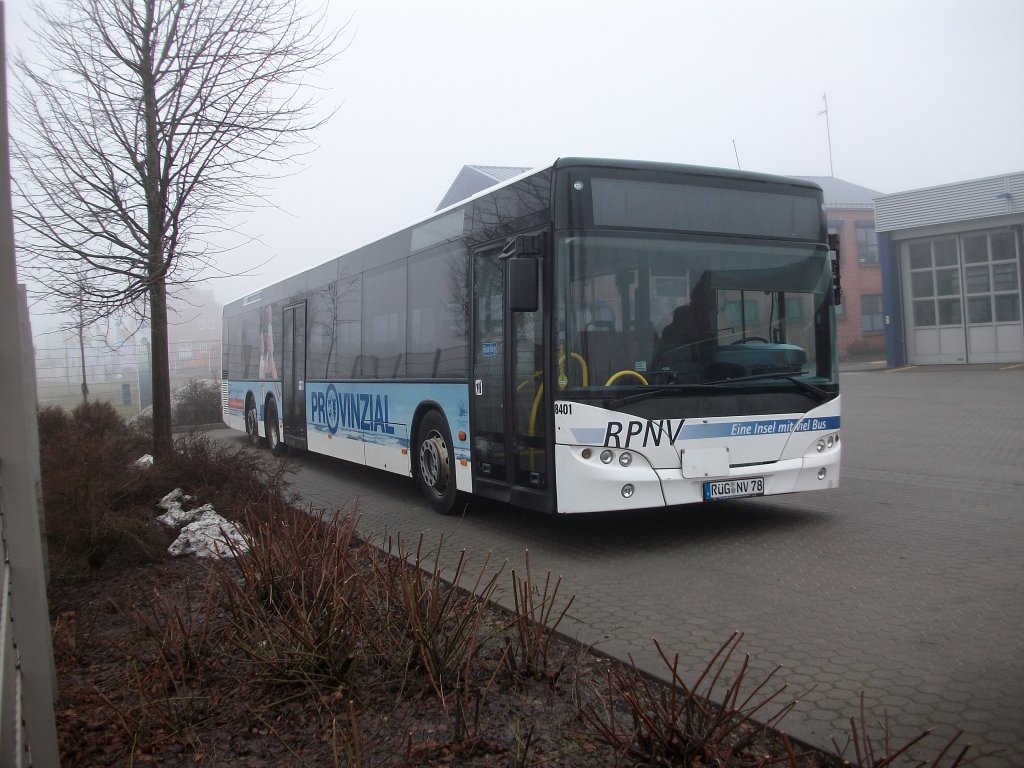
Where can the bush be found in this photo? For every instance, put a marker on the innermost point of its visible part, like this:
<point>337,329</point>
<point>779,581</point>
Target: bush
<point>97,502</point>
<point>294,601</point>
<point>198,402</point>
<point>94,497</point>
<point>238,482</point>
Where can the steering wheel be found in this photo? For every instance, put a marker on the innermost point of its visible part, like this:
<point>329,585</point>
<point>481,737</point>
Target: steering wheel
<point>746,339</point>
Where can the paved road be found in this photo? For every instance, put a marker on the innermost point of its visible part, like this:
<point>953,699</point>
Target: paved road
<point>907,583</point>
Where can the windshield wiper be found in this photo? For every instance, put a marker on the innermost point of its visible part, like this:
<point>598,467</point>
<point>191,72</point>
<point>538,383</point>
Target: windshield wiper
<point>819,394</point>
<point>614,403</point>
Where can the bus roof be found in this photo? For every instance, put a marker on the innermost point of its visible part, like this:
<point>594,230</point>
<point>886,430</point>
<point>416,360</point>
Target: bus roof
<point>571,162</point>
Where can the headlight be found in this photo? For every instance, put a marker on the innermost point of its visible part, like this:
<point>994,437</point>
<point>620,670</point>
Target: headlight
<point>607,456</point>
<point>626,459</point>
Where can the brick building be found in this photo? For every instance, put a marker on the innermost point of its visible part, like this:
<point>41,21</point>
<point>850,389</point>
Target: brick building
<point>860,327</point>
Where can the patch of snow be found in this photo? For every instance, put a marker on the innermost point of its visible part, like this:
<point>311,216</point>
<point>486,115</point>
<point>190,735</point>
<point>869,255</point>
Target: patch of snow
<point>172,498</point>
<point>144,461</point>
<point>205,533</point>
<point>176,516</point>
<point>209,536</point>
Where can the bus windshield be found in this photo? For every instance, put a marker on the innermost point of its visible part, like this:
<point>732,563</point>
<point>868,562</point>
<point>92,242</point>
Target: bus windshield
<point>655,311</point>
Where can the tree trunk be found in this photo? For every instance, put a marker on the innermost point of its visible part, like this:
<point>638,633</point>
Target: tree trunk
<point>160,370</point>
<point>156,208</point>
<point>81,350</point>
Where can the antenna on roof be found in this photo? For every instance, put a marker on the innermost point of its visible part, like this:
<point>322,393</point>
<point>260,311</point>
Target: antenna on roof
<point>736,152</point>
<point>828,131</point>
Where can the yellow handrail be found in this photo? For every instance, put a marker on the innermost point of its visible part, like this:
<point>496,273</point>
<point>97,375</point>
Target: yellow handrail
<point>579,359</point>
<point>620,374</point>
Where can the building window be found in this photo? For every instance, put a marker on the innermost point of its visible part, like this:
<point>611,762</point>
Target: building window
<point>991,278</point>
<point>867,243</point>
<point>871,315</point>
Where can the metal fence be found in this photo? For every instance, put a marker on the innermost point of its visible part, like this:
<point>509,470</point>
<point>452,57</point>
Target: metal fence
<point>120,375</point>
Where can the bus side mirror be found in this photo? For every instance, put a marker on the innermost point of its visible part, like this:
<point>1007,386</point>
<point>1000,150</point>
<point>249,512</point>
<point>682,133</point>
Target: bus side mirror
<point>523,293</point>
<point>522,284</point>
<point>837,284</point>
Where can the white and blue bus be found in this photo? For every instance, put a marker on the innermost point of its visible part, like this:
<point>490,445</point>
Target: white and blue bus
<point>593,335</point>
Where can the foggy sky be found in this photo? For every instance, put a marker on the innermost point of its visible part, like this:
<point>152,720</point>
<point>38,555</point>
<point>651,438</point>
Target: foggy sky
<point>920,93</point>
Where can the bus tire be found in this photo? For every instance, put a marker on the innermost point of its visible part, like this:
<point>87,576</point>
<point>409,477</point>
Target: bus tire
<point>273,426</point>
<point>435,463</point>
<point>252,422</point>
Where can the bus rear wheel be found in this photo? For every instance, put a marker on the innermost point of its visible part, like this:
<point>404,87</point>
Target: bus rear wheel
<point>252,422</point>
<point>435,457</point>
<point>273,427</point>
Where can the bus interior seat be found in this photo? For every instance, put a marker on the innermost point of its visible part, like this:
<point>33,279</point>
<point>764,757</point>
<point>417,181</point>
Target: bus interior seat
<point>607,352</point>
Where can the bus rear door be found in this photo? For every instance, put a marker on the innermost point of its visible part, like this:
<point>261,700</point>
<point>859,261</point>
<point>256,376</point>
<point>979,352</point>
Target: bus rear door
<point>293,355</point>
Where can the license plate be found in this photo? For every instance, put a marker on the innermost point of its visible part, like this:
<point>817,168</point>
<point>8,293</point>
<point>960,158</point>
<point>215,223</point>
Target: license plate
<point>734,489</point>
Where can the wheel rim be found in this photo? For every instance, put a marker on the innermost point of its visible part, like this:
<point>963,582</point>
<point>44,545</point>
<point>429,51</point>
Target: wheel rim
<point>434,462</point>
<point>250,422</point>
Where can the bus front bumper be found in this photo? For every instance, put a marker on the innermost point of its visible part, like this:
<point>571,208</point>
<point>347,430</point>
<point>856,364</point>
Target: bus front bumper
<point>586,483</point>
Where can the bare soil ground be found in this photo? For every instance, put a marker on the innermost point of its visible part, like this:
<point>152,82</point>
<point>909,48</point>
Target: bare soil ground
<point>118,705</point>
<point>318,649</point>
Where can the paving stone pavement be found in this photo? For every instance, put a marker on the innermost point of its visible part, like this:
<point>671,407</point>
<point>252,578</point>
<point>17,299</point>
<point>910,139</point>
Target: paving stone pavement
<point>906,583</point>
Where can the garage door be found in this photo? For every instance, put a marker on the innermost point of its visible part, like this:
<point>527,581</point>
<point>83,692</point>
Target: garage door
<point>963,295</point>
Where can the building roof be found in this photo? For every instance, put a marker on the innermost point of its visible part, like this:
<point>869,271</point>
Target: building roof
<point>477,178</point>
<point>843,195</point>
<point>962,201</point>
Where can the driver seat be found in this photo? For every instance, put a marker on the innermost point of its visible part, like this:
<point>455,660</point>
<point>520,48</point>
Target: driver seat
<point>680,338</point>
<point>683,328</point>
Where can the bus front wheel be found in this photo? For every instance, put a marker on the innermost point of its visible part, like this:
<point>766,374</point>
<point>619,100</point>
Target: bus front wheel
<point>435,458</point>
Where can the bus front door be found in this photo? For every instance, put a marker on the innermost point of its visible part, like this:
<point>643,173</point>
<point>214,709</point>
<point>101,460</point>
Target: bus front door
<point>509,417</point>
<point>293,354</point>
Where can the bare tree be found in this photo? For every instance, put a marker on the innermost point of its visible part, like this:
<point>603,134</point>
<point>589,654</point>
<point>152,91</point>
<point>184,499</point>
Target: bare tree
<point>143,125</point>
<point>81,314</point>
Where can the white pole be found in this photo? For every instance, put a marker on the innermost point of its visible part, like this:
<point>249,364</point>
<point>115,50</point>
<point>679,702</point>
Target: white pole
<point>828,132</point>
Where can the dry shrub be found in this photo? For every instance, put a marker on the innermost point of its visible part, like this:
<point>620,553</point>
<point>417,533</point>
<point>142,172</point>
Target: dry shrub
<point>295,604</point>
<point>535,619</point>
<point>164,684</point>
<point>432,620</point>
<point>94,497</point>
<point>238,482</point>
<point>98,504</point>
<point>198,402</point>
<point>707,722</point>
